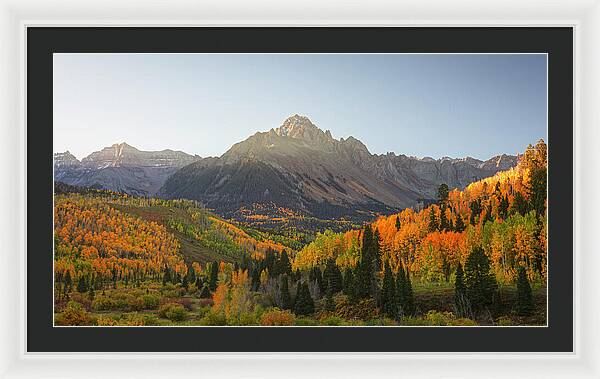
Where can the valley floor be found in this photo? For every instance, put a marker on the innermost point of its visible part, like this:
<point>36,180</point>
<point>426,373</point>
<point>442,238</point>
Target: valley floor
<point>152,304</point>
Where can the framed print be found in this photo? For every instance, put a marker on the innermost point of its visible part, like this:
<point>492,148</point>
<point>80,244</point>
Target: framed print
<point>290,227</point>
<point>304,192</point>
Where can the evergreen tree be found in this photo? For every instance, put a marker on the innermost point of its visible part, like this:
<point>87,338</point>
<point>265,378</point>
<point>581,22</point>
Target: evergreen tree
<point>332,276</point>
<point>462,307</point>
<point>400,291</point>
<point>488,215</point>
<point>255,284</point>
<point>537,190</point>
<point>68,282</point>
<point>304,303</point>
<point>475,211</point>
<point>167,276</point>
<point>433,224</point>
<point>364,272</point>
<point>503,208</point>
<point>443,220</point>
<point>409,299</point>
<point>269,262</point>
<point>479,282</point>
<point>82,285</point>
<point>184,282</point>
<point>329,303</point>
<point>520,205</point>
<point>524,296</point>
<point>214,276</point>
<point>389,307</point>
<point>284,265</point>
<point>205,292</point>
<point>398,225</point>
<point>459,226</point>
<point>191,275</point>
<point>91,293</point>
<point>376,248</point>
<point>349,285</point>
<point>286,301</point>
<point>443,193</point>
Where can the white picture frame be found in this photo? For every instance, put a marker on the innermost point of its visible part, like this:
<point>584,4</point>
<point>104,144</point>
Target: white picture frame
<point>16,16</point>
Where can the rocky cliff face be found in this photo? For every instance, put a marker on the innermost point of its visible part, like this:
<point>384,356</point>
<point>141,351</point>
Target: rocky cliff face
<point>121,167</point>
<point>301,167</point>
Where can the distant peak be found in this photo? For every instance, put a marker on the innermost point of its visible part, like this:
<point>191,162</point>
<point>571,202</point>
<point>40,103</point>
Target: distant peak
<point>122,145</point>
<point>296,126</point>
<point>355,144</point>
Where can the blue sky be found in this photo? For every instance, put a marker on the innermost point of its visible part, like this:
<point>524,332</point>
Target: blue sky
<point>421,105</point>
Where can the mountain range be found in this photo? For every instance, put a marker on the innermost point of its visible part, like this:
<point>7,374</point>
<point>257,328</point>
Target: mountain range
<point>296,166</point>
<point>122,168</point>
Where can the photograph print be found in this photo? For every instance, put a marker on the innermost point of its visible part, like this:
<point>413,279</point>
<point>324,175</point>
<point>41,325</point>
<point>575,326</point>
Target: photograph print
<point>300,190</point>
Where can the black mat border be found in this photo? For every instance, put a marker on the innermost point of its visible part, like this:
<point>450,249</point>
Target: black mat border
<point>43,41</point>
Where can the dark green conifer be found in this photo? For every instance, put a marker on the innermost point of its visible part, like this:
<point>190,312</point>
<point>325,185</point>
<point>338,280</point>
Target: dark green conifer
<point>184,282</point>
<point>409,299</point>
<point>332,276</point>
<point>304,303</point>
<point>524,296</point>
<point>480,283</point>
<point>443,220</point>
<point>255,284</point>
<point>462,306</point>
<point>329,302</point>
<point>349,285</point>
<point>82,285</point>
<point>459,225</point>
<point>68,282</point>
<point>166,276</point>
<point>286,302</point>
<point>365,268</point>
<point>433,224</point>
<point>400,291</point>
<point>389,306</point>
<point>205,292</point>
<point>443,193</point>
<point>284,265</point>
<point>214,276</point>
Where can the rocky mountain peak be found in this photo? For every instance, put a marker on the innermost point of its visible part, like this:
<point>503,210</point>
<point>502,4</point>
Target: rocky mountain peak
<point>301,127</point>
<point>355,144</point>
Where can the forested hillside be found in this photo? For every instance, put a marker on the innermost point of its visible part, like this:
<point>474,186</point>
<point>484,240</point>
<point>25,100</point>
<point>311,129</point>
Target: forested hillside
<point>476,256</point>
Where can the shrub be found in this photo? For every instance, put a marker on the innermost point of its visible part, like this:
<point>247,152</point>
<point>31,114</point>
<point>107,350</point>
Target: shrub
<point>332,321</point>
<point>277,317</point>
<point>74,314</point>
<point>150,301</point>
<point>245,318</point>
<point>306,322</point>
<point>103,303</point>
<point>213,319</point>
<point>151,320</point>
<point>172,311</point>
<point>132,319</point>
<point>435,318</point>
<point>365,309</point>
<point>183,301</point>
<point>106,321</point>
<point>82,299</point>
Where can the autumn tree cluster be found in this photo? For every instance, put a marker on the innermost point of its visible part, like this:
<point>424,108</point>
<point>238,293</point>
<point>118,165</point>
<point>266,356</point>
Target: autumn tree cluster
<point>504,215</point>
